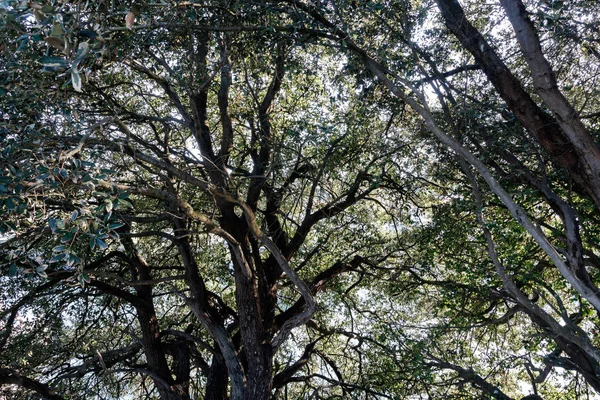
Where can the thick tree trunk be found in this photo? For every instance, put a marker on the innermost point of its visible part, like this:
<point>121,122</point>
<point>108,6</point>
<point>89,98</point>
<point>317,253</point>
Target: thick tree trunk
<point>151,341</point>
<point>153,349</point>
<point>255,340</point>
<point>216,385</point>
<point>208,317</point>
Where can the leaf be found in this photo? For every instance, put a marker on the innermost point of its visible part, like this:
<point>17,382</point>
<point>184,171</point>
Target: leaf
<point>72,260</point>
<point>101,243</point>
<point>47,8</point>
<point>87,178</point>
<point>52,224</point>
<point>124,204</point>
<point>54,69</point>
<point>23,41</point>
<point>10,204</point>
<point>76,81</point>
<point>109,205</point>
<point>87,33</point>
<point>54,62</point>
<point>74,215</point>
<point>58,257</point>
<point>115,225</point>
<point>85,277</point>
<point>21,208</point>
<point>129,20</point>
<point>57,30</point>
<point>82,52</point>
<point>67,237</point>
<point>55,42</point>
<point>39,15</point>
<point>12,271</point>
<point>60,248</point>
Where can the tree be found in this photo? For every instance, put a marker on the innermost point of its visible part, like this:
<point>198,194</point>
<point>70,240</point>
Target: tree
<point>245,200</point>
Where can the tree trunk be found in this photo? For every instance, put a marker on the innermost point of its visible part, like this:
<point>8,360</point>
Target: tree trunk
<point>216,385</point>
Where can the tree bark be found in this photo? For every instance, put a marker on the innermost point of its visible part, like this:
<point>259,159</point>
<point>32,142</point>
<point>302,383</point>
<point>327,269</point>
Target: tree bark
<point>544,81</point>
<point>573,149</point>
<point>9,376</point>
<point>151,341</point>
<point>216,385</point>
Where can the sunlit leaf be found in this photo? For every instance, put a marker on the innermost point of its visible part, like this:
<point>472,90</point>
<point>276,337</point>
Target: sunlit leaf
<point>54,62</point>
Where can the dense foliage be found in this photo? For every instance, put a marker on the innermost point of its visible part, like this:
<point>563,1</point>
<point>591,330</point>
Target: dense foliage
<point>299,199</point>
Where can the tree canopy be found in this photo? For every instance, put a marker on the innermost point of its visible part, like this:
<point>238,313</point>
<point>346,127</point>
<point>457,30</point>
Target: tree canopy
<point>299,199</point>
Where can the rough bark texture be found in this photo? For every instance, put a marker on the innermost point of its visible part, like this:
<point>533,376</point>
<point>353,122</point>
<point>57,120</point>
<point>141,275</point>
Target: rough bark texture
<point>216,385</point>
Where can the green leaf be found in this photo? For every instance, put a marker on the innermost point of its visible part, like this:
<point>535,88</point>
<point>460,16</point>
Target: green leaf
<point>101,243</point>
<point>115,225</point>
<point>124,205</point>
<point>12,271</point>
<point>21,208</point>
<point>52,224</point>
<point>73,260</point>
<point>67,237</point>
<point>88,34</point>
<point>54,62</point>
<point>60,248</point>
<point>76,81</point>
<point>82,52</point>
<point>87,178</point>
<point>57,30</point>
<point>58,257</point>
<point>10,204</point>
<point>83,278</point>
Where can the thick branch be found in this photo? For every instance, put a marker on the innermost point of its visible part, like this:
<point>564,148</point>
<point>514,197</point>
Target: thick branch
<point>568,150</point>
<point>546,86</point>
<point>9,376</point>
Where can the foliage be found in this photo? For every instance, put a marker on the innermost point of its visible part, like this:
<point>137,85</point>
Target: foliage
<point>287,199</point>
